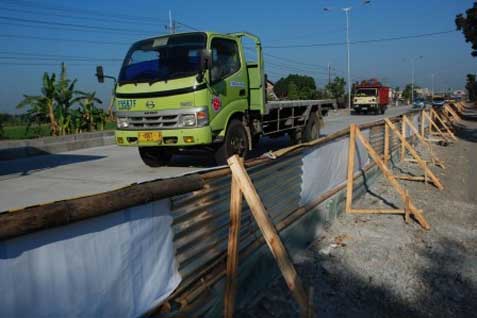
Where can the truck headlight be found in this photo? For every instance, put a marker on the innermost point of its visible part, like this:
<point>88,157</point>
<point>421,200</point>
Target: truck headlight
<point>187,120</point>
<point>202,118</point>
<point>122,122</point>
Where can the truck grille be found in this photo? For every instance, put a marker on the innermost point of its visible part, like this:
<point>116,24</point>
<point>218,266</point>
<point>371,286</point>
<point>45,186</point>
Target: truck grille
<point>159,121</point>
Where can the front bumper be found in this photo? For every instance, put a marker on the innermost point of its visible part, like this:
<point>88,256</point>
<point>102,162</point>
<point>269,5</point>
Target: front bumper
<point>170,137</point>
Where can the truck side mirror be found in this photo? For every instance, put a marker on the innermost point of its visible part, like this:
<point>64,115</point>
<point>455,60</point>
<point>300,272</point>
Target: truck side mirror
<point>99,73</point>
<point>205,60</point>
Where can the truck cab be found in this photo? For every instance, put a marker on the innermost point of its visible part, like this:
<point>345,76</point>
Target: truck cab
<point>196,91</point>
<point>370,96</point>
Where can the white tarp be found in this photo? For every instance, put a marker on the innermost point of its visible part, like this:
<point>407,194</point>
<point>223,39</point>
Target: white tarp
<point>116,265</point>
<point>325,167</point>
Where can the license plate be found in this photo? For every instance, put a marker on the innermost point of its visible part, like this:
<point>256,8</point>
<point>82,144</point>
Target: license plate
<point>150,136</point>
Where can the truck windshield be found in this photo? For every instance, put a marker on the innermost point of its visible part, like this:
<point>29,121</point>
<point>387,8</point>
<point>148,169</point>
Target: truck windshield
<point>163,58</point>
<point>366,92</point>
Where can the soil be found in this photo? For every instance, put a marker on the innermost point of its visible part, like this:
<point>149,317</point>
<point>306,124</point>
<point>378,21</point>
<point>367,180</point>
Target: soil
<point>379,266</point>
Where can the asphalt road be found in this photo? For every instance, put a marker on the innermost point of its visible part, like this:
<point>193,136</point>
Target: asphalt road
<point>36,180</point>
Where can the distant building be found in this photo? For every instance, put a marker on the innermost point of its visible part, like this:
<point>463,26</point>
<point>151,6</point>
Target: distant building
<point>424,92</point>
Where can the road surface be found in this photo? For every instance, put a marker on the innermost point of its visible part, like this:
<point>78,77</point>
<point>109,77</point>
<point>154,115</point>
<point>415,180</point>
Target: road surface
<point>36,180</point>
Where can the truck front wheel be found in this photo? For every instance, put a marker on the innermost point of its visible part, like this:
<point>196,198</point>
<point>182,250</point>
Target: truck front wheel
<point>235,142</point>
<point>154,156</point>
<point>312,128</point>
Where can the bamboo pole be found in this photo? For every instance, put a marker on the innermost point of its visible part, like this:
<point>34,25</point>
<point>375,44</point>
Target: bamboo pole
<point>270,233</point>
<point>232,249</point>
<point>351,157</point>
<point>413,152</point>
<point>439,131</point>
<point>403,134</point>
<point>377,211</point>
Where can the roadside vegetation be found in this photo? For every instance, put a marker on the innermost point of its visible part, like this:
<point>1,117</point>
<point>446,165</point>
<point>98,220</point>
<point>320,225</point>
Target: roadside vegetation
<point>59,110</point>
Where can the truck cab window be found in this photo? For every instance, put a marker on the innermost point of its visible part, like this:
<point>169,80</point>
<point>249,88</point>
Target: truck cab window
<point>225,58</point>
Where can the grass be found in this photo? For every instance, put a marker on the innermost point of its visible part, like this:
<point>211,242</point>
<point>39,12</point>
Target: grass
<point>19,132</point>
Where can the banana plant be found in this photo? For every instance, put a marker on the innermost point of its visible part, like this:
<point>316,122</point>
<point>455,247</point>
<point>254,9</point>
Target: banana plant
<point>93,118</point>
<point>43,106</point>
<point>65,98</point>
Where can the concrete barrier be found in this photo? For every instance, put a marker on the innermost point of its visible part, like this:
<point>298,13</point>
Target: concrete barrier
<point>14,149</point>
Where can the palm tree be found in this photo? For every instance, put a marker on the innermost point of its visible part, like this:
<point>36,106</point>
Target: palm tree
<point>43,105</point>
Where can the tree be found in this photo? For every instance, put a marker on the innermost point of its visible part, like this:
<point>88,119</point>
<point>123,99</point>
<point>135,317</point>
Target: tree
<point>65,98</point>
<point>305,87</point>
<point>468,25</point>
<point>337,87</point>
<point>471,87</point>
<point>406,93</point>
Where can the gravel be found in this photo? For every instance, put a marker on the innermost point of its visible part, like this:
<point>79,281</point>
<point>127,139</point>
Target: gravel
<point>379,266</point>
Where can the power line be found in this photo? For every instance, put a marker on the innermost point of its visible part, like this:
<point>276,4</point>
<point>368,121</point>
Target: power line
<point>85,26</point>
<point>62,39</point>
<point>397,38</point>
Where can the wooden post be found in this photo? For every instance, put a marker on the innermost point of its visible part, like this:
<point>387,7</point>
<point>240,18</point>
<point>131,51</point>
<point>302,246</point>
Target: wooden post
<point>407,209</point>
<point>388,174</point>
<point>232,249</point>
<point>351,157</point>
<point>403,134</point>
<point>386,144</point>
<point>269,233</point>
<point>413,152</point>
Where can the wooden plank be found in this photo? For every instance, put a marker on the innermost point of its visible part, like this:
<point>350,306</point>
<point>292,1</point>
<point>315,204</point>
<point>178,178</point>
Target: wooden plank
<point>377,211</point>
<point>269,232</point>
<point>351,155</point>
<point>413,152</point>
<point>410,178</point>
<point>232,249</point>
<point>388,174</point>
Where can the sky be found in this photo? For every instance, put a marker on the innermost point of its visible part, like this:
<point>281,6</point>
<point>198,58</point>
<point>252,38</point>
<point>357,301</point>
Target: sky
<point>38,35</point>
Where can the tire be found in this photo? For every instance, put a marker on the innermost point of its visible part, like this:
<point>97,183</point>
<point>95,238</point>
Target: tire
<point>235,143</point>
<point>312,128</point>
<point>154,156</point>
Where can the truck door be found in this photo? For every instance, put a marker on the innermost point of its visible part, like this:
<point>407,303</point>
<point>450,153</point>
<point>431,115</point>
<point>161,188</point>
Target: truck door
<point>228,76</point>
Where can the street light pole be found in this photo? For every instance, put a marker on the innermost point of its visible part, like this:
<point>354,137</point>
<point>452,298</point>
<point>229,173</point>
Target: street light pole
<point>346,10</point>
<point>412,81</point>
<point>432,87</point>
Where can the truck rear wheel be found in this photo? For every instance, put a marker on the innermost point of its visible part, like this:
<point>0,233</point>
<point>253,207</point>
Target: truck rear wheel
<point>235,142</point>
<point>312,128</point>
<point>154,156</point>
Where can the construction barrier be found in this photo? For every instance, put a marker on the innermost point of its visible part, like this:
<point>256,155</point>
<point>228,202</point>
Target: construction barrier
<point>161,247</point>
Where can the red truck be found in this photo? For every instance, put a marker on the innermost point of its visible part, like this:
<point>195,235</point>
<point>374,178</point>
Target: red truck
<point>371,95</point>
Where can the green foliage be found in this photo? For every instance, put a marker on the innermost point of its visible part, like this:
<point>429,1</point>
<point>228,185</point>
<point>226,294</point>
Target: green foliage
<point>62,107</point>
<point>406,93</point>
<point>337,87</point>
<point>468,25</point>
<point>303,87</point>
<point>471,87</point>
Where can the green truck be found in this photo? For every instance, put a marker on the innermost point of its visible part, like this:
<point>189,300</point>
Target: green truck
<point>203,90</point>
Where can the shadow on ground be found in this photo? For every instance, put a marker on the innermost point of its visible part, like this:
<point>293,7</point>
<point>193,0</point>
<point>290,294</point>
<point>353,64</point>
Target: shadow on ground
<point>27,166</point>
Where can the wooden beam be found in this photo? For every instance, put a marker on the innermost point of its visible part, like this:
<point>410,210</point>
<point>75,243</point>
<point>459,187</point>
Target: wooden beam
<point>232,249</point>
<point>269,232</point>
<point>388,174</point>
<point>377,211</point>
<point>422,123</point>
<point>413,152</point>
<point>351,157</point>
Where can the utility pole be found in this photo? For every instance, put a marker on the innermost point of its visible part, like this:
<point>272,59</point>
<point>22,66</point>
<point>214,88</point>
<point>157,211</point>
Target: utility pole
<point>432,86</point>
<point>346,10</point>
